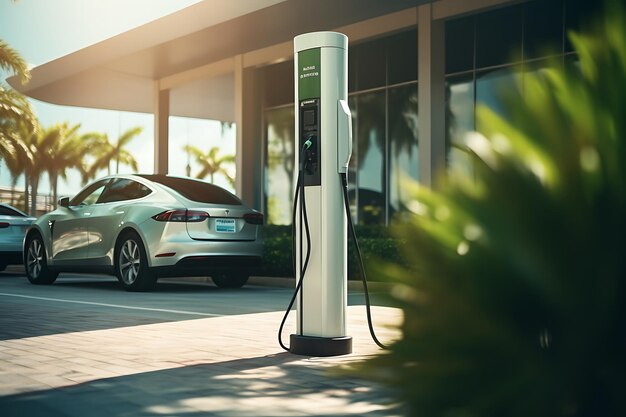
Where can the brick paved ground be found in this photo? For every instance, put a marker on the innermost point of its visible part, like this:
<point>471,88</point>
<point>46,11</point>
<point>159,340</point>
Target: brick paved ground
<point>115,362</point>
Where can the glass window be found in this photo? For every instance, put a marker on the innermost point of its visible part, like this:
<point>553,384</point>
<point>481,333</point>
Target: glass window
<point>122,190</point>
<point>8,211</point>
<point>492,87</point>
<point>370,155</point>
<point>279,130</point>
<point>543,28</point>
<point>90,194</point>
<point>578,14</point>
<point>499,37</point>
<point>459,122</point>
<point>403,145</point>
<point>279,85</point>
<point>459,45</point>
<point>402,56</point>
<point>371,64</point>
<point>196,190</point>
<point>352,54</point>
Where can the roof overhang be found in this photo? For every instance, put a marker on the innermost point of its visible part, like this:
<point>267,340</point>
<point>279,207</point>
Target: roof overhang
<point>120,73</point>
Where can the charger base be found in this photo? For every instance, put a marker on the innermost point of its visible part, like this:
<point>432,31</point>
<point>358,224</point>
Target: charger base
<point>320,346</point>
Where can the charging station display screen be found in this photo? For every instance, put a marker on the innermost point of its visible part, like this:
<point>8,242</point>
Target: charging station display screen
<point>309,117</point>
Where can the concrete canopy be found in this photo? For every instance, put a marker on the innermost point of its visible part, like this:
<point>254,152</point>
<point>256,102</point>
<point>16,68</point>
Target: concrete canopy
<point>120,73</point>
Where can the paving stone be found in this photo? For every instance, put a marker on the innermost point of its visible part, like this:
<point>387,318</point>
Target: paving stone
<point>105,363</point>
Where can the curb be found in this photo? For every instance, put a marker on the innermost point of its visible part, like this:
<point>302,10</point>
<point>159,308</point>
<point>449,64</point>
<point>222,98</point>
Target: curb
<point>283,282</point>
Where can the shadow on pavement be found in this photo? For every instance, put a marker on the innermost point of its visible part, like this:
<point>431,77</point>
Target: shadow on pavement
<point>19,320</point>
<point>77,304</point>
<point>275,385</point>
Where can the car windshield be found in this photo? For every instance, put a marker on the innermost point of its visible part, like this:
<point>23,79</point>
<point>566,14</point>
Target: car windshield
<point>195,190</point>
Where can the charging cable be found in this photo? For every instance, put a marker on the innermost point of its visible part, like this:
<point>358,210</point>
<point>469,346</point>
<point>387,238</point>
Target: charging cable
<point>300,195</point>
<point>368,308</point>
<point>303,218</point>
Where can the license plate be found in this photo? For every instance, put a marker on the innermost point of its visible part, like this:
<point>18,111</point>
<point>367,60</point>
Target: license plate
<point>225,225</point>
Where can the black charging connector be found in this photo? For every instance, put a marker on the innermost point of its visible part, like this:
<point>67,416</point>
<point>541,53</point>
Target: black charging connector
<point>310,156</point>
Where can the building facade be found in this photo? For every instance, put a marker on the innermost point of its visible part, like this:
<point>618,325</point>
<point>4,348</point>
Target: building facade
<point>417,72</point>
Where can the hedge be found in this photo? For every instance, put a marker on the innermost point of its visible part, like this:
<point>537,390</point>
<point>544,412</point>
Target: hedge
<point>375,243</point>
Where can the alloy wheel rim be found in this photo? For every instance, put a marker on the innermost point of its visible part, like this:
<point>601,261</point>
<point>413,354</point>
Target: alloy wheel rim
<point>35,258</point>
<point>130,262</point>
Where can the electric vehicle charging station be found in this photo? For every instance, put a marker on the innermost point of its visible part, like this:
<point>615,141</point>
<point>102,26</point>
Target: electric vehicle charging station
<point>323,148</point>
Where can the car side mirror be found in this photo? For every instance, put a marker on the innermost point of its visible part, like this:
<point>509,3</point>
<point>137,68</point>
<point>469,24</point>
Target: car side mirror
<point>64,202</point>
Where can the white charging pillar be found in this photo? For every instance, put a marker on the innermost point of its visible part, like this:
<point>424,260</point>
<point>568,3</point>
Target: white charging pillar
<point>323,130</point>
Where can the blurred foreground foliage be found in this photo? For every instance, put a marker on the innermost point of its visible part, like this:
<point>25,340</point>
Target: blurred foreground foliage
<point>514,301</point>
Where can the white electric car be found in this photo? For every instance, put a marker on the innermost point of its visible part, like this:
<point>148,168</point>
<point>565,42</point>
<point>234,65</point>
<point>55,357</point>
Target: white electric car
<point>141,227</point>
<point>13,226</point>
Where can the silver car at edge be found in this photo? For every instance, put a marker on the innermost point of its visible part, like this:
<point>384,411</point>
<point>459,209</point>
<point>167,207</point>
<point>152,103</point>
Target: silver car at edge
<point>13,226</point>
<point>142,227</point>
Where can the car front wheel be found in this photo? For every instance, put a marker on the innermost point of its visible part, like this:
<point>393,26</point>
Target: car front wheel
<point>131,264</point>
<point>36,262</point>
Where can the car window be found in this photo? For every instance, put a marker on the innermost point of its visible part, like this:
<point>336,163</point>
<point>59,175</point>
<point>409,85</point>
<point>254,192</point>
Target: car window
<point>7,211</point>
<point>122,190</point>
<point>196,190</point>
<point>90,194</point>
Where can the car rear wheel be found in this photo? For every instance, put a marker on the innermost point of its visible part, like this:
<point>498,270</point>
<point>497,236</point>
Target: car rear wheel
<point>36,262</point>
<point>131,264</point>
<point>230,280</point>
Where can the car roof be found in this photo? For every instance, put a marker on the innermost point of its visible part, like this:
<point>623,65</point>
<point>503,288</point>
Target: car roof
<point>165,182</point>
<point>193,189</point>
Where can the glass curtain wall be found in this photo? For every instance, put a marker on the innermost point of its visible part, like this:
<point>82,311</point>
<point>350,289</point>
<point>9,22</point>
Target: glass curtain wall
<point>279,164</point>
<point>488,54</point>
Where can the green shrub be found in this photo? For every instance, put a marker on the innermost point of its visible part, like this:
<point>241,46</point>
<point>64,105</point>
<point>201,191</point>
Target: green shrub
<point>375,243</point>
<point>515,303</point>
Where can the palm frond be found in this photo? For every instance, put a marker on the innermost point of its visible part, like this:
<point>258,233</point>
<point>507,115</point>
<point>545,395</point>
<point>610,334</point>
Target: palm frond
<point>11,61</point>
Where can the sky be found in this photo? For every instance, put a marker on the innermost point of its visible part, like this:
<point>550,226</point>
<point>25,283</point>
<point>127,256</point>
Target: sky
<point>43,30</point>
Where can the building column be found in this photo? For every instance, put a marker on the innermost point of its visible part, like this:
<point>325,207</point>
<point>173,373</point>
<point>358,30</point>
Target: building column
<point>249,156</point>
<point>431,96</point>
<point>161,128</point>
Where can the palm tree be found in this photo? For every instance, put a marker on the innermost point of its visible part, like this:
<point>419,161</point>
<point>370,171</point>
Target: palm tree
<point>93,145</point>
<point>16,162</point>
<point>15,111</point>
<point>121,155</point>
<point>98,147</point>
<point>14,108</point>
<point>64,151</point>
<point>211,163</point>
<point>12,62</point>
<point>16,157</point>
<point>40,145</point>
<point>105,152</point>
<point>17,119</point>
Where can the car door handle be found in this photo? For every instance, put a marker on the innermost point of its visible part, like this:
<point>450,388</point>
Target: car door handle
<point>87,214</point>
